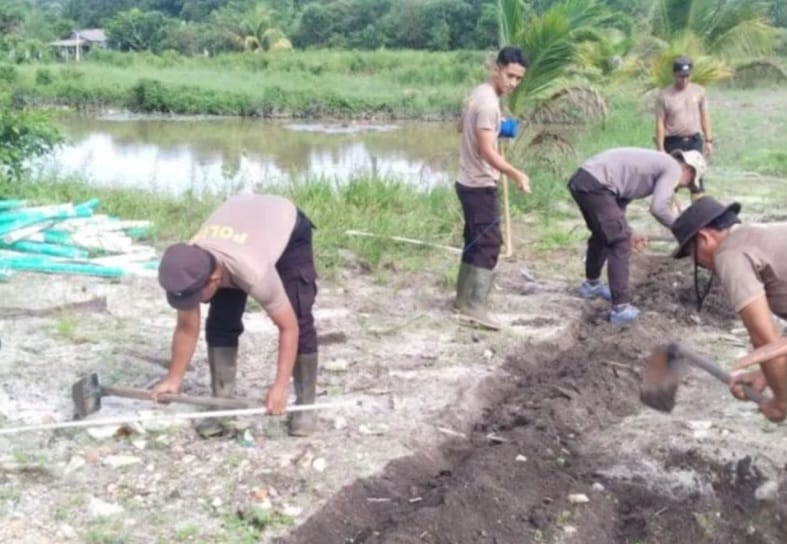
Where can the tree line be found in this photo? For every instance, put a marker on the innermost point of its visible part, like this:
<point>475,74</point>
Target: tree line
<point>199,27</point>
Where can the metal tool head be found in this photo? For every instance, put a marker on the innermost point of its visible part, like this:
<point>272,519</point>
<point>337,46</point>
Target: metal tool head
<point>661,378</point>
<point>86,394</point>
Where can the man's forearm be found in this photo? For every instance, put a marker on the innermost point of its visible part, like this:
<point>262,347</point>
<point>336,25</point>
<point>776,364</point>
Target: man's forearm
<point>184,342</point>
<point>706,128</point>
<point>775,372</point>
<point>496,161</point>
<point>659,135</point>
<point>288,351</point>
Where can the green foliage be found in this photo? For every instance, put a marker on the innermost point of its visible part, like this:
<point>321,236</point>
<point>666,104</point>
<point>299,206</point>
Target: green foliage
<point>24,134</point>
<point>44,76</point>
<point>713,32</point>
<point>301,83</point>
<point>8,74</point>
<point>552,42</point>
<point>137,30</point>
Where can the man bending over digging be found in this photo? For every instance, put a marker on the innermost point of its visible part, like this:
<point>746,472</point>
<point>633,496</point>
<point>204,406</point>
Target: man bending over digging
<point>751,262</point>
<point>602,188</point>
<point>480,165</point>
<point>257,245</point>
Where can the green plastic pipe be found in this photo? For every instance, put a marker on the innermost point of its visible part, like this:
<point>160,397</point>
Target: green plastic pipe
<point>11,204</point>
<point>43,248</point>
<point>60,267</point>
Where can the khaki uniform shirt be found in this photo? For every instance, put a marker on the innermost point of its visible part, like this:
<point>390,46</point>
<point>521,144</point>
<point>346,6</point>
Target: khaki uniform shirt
<point>682,109</point>
<point>751,262</point>
<point>481,112</point>
<point>247,234</point>
<point>630,173</point>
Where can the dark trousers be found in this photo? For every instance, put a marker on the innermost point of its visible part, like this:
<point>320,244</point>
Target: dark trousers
<point>610,235</point>
<point>482,225</point>
<point>686,143</point>
<point>224,324</point>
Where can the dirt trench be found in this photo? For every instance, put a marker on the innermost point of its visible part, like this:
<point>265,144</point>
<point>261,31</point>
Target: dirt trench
<point>531,469</point>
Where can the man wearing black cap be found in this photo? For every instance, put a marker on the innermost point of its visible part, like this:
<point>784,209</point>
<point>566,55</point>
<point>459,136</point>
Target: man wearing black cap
<point>682,119</point>
<point>252,245</point>
<point>751,263</point>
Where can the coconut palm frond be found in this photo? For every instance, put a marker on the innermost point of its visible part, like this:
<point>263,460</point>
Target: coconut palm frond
<point>749,38</point>
<point>759,71</point>
<point>707,69</point>
<point>729,14</point>
<point>271,36</point>
<point>511,19</point>
<point>551,42</point>
<point>282,44</point>
<point>570,106</point>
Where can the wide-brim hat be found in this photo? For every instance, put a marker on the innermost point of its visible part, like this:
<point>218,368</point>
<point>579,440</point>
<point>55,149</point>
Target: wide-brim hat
<point>696,217</point>
<point>695,160</point>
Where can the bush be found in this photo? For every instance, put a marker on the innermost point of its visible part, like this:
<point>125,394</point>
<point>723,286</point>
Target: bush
<point>8,73</point>
<point>44,76</point>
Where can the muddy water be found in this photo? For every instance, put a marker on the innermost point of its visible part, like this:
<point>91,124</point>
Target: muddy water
<point>175,155</point>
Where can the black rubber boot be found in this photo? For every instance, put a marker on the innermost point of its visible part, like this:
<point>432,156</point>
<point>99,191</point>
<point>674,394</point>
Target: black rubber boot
<point>479,284</point>
<point>463,288</point>
<point>304,378</point>
<point>223,363</point>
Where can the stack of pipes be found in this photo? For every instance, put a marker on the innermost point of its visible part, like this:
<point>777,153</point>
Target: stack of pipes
<point>71,239</point>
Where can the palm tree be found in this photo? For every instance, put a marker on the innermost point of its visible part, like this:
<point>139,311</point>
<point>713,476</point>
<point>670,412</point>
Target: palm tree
<point>555,90</point>
<point>252,30</point>
<point>716,33</point>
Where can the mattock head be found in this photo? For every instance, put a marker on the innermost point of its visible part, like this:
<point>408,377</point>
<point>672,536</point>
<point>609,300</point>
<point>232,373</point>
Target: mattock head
<point>661,379</point>
<point>86,394</point>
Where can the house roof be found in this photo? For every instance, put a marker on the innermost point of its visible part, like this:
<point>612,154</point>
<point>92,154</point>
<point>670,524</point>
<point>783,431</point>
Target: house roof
<point>91,34</point>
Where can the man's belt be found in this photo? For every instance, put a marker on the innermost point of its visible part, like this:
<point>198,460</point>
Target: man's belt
<point>692,138</point>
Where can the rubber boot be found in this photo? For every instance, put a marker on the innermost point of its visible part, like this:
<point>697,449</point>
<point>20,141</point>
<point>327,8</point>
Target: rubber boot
<point>480,282</point>
<point>304,379</point>
<point>223,363</point>
<point>463,288</point>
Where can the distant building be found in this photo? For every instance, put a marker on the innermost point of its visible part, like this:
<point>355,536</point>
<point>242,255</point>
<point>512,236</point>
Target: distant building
<point>80,42</point>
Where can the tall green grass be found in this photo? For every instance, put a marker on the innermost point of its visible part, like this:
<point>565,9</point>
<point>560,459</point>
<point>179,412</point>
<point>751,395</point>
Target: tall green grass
<point>403,84</point>
<point>382,207</point>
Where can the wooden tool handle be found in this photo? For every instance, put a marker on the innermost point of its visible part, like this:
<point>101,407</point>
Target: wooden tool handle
<point>714,370</point>
<point>144,394</point>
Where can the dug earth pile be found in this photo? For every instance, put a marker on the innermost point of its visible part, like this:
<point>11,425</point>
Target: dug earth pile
<point>564,452</point>
<point>532,434</point>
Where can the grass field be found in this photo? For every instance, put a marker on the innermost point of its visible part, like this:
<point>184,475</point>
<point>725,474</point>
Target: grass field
<point>402,84</point>
<point>749,164</point>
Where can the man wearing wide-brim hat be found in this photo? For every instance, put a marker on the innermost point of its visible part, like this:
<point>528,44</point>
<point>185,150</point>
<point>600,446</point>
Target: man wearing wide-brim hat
<point>751,263</point>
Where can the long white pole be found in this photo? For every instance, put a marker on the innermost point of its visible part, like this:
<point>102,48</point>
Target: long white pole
<point>171,417</point>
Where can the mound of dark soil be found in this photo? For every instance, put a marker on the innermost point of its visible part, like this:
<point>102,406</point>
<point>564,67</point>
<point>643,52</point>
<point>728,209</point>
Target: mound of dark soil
<point>516,477</point>
<point>666,285</point>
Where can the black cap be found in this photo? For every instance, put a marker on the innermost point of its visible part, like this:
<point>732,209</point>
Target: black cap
<point>696,217</point>
<point>682,66</point>
<point>183,271</point>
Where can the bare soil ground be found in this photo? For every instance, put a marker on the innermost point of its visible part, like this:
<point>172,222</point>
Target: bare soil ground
<point>462,436</point>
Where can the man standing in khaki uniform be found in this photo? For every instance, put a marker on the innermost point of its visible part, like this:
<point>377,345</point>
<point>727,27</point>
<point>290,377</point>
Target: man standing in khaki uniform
<point>751,263</point>
<point>251,245</point>
<point>480,166</point>
<point>682,119</point>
